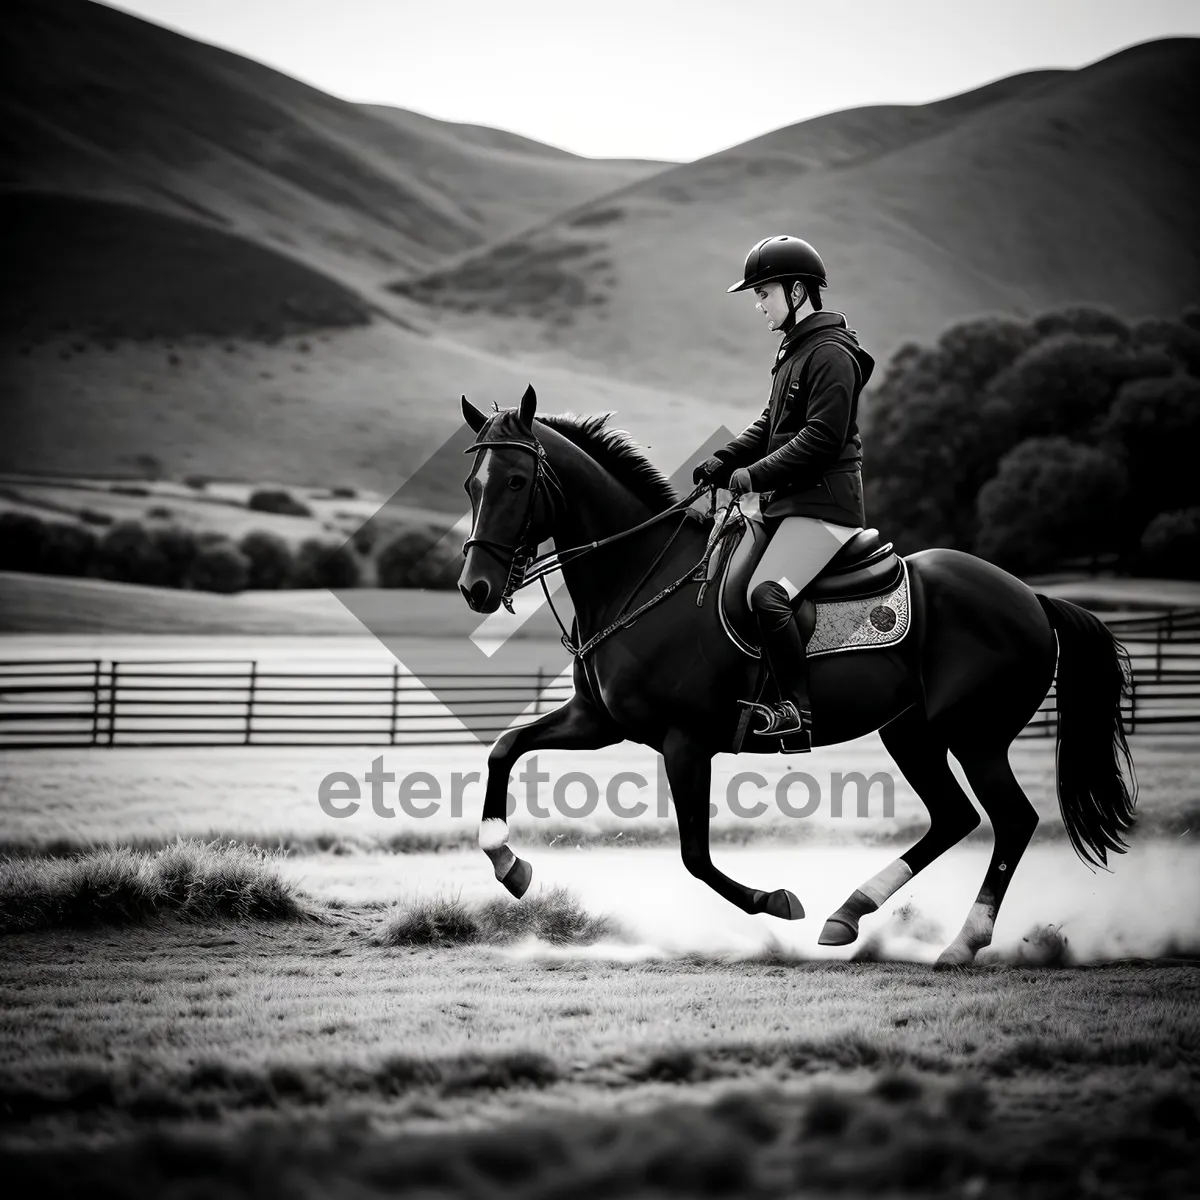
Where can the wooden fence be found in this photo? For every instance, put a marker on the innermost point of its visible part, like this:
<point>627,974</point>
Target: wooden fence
<point>94,702</point>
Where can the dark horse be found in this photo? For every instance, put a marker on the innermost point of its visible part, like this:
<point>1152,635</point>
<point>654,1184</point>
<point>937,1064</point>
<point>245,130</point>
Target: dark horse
<point>975,665</point>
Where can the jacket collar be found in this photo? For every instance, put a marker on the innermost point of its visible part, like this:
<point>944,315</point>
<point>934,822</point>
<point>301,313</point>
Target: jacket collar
<point>802,330</point>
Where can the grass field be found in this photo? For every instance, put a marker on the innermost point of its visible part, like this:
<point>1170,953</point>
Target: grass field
<point>304,1059</point>
<point>366,1012</point>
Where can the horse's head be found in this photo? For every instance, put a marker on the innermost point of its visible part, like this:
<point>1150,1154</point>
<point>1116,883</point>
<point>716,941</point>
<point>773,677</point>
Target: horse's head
<point>513,492</point>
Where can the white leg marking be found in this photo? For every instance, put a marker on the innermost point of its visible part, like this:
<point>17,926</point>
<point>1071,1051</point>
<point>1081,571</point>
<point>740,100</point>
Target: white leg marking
<point>891,879</point>
<point>974,935</point>
<point>493,833</point>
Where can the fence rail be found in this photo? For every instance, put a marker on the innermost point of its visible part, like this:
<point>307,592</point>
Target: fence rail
<point>101,702</point>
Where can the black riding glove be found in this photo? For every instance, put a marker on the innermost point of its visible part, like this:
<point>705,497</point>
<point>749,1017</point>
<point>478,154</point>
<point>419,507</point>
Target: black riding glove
<point>713,472</point>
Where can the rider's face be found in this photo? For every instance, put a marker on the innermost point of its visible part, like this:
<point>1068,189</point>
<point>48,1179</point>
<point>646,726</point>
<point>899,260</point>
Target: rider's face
<point>772,304</point>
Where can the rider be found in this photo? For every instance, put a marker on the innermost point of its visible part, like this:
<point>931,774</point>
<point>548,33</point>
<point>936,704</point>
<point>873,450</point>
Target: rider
<point>803,454</point>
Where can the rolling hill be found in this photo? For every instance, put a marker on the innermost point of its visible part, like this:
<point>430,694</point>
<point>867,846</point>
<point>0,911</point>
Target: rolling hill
<point>95,102</point>
<point>1050,188</point>
<point>200,250</point>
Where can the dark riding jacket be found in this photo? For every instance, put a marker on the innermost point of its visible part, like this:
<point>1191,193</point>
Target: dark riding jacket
<point>804,448</point>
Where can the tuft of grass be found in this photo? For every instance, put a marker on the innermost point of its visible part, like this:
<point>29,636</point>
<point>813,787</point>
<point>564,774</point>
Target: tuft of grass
<point>432,921</point>
<point>193,880</point>
<point>553,915</point>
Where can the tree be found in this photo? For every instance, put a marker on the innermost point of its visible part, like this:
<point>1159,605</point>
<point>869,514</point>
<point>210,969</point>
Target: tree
<point>1061,385</point>
<point>272,563</point>
<point>1051,499</point>
<point>1155,424</point>
<point>129,554</point>
<point>67,549</point>
<point>1174,338</point>
<point>973,352</point>
<point>1083,319</point>
<point>1170,545</point>
<point>219,567</point>
<point>21,538</point>
<point>179,547</point>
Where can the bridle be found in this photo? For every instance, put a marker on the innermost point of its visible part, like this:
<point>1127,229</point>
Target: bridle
<point>524,568</point>
<point>520,554</point>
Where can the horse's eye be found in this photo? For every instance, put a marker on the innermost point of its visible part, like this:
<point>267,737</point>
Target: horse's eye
<point>516,483</point>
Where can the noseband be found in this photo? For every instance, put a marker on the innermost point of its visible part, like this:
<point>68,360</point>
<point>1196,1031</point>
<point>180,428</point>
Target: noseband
<point>520,553</point>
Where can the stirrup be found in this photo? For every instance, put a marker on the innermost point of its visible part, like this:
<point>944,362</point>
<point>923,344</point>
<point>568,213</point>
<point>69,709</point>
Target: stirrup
<point>781,718</point>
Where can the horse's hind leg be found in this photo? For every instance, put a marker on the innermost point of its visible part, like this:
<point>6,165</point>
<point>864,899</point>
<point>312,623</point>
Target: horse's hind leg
<point>921,755</point>
<point>1013,820</point>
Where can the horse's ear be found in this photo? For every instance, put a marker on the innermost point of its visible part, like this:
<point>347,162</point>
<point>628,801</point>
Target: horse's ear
<point>472,415</point>
<point>528,407</point>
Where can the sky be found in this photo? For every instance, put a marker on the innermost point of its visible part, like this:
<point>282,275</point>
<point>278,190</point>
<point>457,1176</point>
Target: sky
<point>662,79</point>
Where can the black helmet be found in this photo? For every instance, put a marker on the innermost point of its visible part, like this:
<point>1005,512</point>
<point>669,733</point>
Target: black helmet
<point>780,257</point>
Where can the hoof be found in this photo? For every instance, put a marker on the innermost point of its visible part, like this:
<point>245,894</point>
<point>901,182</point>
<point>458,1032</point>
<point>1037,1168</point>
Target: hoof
<point>956,955</point>
<point>518,877</point>
<point>784,905</point>
<point>839,931</point>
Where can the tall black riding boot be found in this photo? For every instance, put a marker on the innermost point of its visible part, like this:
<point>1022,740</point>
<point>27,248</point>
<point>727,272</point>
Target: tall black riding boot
<point>783,648</point>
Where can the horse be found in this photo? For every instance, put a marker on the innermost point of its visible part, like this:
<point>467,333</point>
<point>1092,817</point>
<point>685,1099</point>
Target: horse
<point>979,658</point>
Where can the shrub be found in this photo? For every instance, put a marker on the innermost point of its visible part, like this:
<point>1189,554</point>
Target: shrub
<point>326,565</point>
<point>179,548</point>
<point>21,537</point>
<point>196,482</point>
<point>343,492</point>
<point>67,549</point>
<point>129,489</point>
<point>219,567</point>
<point>129,554</point>
<point>159,512</point>
<point>92,516</point>
<point>277,500</point>
<point>1170,545</point>
<point>415,558</point>
<point>270,558</point>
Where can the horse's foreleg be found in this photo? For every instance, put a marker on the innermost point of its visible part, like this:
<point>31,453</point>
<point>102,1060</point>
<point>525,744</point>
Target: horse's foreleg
<point>921,756</point>
<point>689,772</point>
<point>1013,819</point>
<point>577,725</point>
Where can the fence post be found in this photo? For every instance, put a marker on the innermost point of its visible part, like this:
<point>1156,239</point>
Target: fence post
<point>96,702</point>
<point>113,671</point>
<point>537,700</point>
<point>250,700</point>
<point>395,700</point>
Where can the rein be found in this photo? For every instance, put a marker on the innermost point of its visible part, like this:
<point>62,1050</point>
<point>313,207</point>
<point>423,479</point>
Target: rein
<point>525,569</point>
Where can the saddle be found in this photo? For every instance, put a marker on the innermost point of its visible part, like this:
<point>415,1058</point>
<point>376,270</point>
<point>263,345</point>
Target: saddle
<point>859,601</point>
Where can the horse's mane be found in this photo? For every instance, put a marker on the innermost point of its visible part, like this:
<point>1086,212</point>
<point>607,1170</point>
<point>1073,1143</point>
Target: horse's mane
<point>619,453</point>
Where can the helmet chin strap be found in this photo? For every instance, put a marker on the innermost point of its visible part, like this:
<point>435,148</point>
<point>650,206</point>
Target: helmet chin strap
<point>788,322</point>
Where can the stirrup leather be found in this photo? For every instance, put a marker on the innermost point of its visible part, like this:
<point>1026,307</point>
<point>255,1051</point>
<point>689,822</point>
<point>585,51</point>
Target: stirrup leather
<point>780,718</point>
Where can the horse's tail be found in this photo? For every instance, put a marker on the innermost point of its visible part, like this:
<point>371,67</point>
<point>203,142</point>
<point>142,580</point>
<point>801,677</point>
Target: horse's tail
<point>1097,785</point>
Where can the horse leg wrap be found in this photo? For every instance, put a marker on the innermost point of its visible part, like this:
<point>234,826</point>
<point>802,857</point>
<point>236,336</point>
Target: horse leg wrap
<point>842,928</point>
